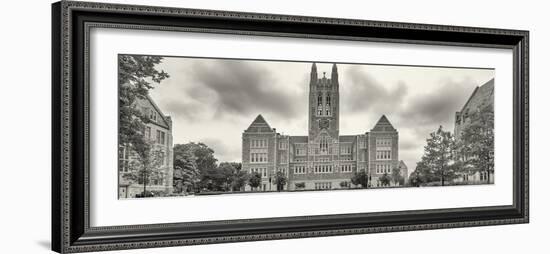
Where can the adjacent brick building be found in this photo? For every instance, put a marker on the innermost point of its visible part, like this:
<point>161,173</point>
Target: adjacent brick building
<point>159,132</point>
<point>323,159</point>
<point>482,96</point>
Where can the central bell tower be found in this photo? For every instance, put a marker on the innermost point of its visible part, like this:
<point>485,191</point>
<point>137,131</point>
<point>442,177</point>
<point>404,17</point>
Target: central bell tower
<point>324,106</point>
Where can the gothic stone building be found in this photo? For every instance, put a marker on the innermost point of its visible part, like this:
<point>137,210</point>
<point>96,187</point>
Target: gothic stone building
<point>159,132</point>
<point>323,159</point>
<point>481,96</point>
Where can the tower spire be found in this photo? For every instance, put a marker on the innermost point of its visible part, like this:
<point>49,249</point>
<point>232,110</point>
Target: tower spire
<point>334,76</point>
<point>313,77</point>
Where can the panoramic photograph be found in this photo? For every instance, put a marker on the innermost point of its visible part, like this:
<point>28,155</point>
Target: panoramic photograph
<point>192,126</point>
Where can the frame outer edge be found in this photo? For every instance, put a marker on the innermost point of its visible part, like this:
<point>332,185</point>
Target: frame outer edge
<point>56,171</point>
<point>64,99</point>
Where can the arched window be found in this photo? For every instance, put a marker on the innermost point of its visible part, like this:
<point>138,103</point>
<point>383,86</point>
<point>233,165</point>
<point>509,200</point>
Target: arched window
<point>323,144</point>
<point>320,100</point>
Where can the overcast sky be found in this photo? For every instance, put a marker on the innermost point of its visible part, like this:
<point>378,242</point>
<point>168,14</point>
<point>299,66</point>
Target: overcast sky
<point>214,100</point>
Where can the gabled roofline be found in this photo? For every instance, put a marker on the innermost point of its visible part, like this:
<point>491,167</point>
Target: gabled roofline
<point>162,115</point>
<point>474,92</point>
<point>469,99</point>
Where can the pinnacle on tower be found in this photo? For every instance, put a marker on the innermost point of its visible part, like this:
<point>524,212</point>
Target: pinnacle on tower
<point>313,78</point>
<point>334,75</point>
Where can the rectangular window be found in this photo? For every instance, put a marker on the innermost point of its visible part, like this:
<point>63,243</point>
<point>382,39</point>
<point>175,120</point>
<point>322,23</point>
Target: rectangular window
<point>123,159</point>
<point>148,132</point>
<point>158,136</point>
<point>345,150</point>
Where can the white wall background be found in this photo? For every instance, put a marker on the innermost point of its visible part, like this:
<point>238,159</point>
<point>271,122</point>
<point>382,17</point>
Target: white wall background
<point>25,111</point>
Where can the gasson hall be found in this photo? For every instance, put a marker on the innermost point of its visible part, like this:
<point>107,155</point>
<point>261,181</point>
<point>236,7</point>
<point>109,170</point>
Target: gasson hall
<point>324,159</point>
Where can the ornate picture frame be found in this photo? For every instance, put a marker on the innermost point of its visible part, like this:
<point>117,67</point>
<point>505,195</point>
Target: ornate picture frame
<point>71,229</point>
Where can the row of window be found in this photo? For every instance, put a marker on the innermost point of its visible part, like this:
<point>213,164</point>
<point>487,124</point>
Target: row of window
<point>323,145</point>
<point>347,168</point>
<point>383,155</point>
<point>261,171</point>
<point>323,186</point>
<point>383,168</point>
<point>383,142</point>
<point>299,169</point>
<point>258,143</point>
<point>322,169</point>
<point>324,148</point>
<point>483,176</point>
<point>160,137</point>
<point>345,150</point>
<point>258,157</point>
<point>124,158</point>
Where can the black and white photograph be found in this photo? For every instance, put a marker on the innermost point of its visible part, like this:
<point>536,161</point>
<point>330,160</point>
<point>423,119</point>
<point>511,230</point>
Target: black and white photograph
<point>192,126</point>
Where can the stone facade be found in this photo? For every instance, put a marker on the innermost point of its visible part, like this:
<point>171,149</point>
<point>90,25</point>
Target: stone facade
<point>481,96</point>
<point>323,159</point>
<point>159,132</point>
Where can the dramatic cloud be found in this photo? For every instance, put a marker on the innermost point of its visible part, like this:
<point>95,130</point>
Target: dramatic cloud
<point>242,88</point>
<point>437,106</point>
<point>362,92</point>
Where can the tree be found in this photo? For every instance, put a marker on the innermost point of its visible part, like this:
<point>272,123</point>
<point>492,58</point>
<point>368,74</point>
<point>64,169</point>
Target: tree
<point>424,173</point>
<point>222,177</point>
<point>239,180</point>
<point>344,184</point>
<point>144,167</point>
<point>385,179</point>
<point>476,145</point>
<point>438,156</point>
<point>134,79</point>
<point>280,180</point>
<point>299,185</point>
<point>135,74</point>
<point>255,180</point>
<point>360,178</point>
<point>396,176</point>
<point>415,179</point>
<point>206,163</point>
<point>186,173</point>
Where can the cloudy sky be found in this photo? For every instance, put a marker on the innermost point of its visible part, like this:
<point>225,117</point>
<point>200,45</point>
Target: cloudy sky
<point>214,100</point>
